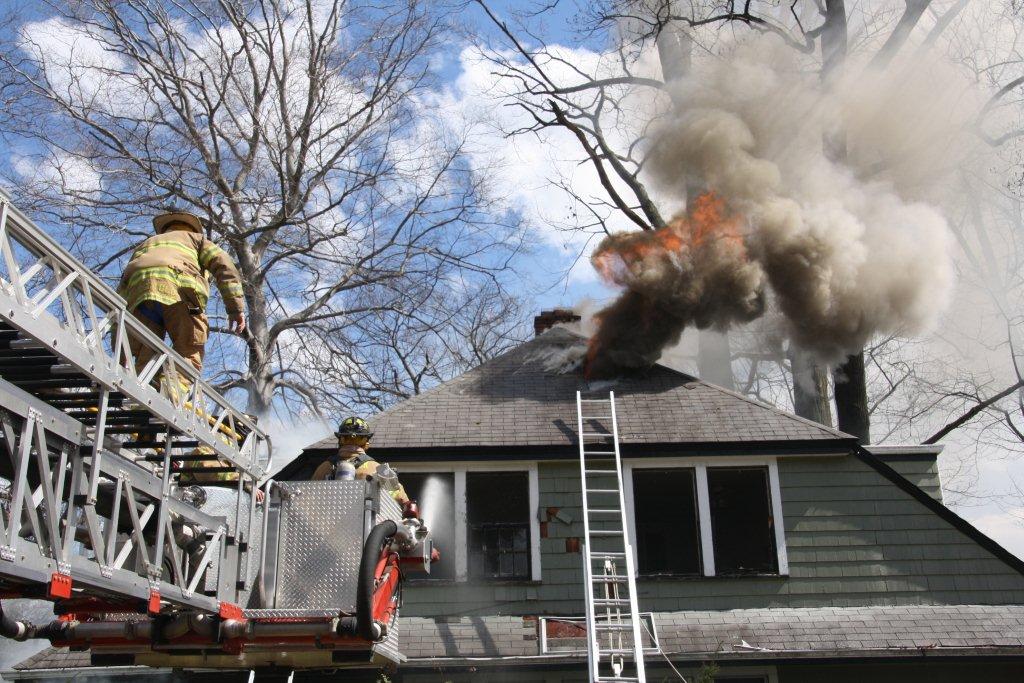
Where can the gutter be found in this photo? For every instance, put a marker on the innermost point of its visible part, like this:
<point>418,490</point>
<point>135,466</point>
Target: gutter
<point>893,655</point>
<point>83,673</point>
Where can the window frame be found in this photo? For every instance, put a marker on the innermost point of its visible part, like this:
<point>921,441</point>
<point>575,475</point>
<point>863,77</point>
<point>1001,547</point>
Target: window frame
<point>460,469</point>
<point>700,466</point>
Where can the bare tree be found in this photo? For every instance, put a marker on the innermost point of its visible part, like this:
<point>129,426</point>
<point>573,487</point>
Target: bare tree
<point>301,131</point>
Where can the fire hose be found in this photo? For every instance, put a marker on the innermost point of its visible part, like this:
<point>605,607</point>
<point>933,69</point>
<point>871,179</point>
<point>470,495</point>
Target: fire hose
<point>376,541</point>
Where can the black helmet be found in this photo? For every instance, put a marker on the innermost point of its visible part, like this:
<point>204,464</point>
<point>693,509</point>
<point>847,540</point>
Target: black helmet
<point>354,426</point>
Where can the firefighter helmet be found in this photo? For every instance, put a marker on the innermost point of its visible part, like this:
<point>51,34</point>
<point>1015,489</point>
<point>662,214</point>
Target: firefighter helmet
<point>354,426</point>
<point>164,220</point>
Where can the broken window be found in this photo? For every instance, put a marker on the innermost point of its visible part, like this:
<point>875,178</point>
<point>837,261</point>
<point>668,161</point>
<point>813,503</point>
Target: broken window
<point>498,516</point>
<point>667,526</point>
<point>435,493</point>
<point>742,527</point>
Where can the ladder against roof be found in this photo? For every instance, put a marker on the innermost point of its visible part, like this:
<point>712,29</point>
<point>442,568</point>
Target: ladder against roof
<point>92,446</point>
<point>614,641</point>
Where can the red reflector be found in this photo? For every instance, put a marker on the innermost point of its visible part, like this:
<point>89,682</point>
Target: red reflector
<point>60,586</point>
<point>154,602</point>
<point>229,611</point>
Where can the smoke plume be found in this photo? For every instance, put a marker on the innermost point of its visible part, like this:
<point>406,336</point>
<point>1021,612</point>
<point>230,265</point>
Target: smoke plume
<point>818,200</point>
<point>694,271</point>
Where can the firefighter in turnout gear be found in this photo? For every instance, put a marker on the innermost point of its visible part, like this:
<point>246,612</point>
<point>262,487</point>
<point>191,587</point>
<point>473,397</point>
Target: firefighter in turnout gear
<point>165,286</point>
<point>352,462</point>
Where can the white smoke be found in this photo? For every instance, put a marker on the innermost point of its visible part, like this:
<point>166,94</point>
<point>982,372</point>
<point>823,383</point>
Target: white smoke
<point>849,244</point>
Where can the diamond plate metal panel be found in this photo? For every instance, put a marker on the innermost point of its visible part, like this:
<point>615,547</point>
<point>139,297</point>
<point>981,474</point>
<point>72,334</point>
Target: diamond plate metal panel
<point>321,543</point>
<point>389,509</point>
<point>222,502</point>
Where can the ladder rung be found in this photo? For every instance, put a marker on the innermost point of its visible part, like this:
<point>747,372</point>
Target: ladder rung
<point>602,490</point>
<point>606,556</point>
<point>599,453</point>
<point>617,679</point>
<point>610,578</point>
<point>596,417</point>
<point>616,651</point>
<point>606,532</point>
<point>604,511</point>
<point>613,627</point>
<point>602,471</point>
<point>611,602</point>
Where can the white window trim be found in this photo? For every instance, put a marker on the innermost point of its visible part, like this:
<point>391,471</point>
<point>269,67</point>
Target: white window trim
<point>459,469</point>
<point>700,467</point>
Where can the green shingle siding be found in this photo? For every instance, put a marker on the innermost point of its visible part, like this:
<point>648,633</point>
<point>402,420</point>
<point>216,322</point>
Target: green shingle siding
<point>853,538</point>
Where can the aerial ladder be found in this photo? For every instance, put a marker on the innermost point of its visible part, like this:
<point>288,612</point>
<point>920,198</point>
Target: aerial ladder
<point>140,567</point>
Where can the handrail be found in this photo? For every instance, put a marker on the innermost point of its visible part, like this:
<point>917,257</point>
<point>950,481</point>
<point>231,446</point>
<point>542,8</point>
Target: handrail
<point>76,300</point>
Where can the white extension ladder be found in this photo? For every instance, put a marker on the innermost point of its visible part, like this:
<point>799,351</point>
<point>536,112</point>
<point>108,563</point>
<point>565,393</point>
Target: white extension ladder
<point>613,618</point>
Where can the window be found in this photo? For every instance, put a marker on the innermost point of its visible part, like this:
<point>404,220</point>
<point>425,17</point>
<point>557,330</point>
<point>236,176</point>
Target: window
<point>718,516</point>
<point>498,519</point>
<point>435,493</point>
<point>667,527</point>
<point>741,520</point>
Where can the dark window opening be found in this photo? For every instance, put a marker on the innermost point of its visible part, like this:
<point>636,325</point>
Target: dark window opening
<point>742,526</point>
<point>498,516</point>
<point>435,493</point>
<point>667,526</point>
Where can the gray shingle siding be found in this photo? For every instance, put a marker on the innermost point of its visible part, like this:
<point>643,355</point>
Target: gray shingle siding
<point>853,538</point>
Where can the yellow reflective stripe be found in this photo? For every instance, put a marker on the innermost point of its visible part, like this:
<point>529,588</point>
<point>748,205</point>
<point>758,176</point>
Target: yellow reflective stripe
<point>183,248</point>
<point>209,253</point>
<point>231,289</point>
<point>165,273</point>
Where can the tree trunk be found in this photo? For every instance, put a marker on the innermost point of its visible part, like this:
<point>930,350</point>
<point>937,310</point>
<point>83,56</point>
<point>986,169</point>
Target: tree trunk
<point>852,398</point>
<point>714,359</point>
<point>850,382</point>
<point>810,387</point>
<point>260,382</point>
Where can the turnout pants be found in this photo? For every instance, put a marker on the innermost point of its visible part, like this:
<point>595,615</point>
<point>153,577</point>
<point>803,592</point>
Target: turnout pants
<point>184,323</point>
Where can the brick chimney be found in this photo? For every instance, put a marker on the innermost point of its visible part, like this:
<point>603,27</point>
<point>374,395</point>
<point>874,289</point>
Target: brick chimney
<point>548,319</point>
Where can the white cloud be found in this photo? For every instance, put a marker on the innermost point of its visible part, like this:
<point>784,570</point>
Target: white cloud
<point>526,168</point>
<point>1006,528</point>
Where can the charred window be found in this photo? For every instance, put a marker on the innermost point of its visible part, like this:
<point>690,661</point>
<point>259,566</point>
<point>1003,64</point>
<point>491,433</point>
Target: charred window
<point>742,526</point>
<point>435,493</point>
<point>498,516</point>
<point>667,526</point>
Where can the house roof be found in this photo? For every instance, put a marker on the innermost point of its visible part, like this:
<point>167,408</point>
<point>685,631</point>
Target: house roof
<point>522,399</point>
<point>733,635</point>
<point>766,633</point>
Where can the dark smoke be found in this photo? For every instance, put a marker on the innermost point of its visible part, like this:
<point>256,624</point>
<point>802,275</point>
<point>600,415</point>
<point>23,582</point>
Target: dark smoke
<point>693,272</point>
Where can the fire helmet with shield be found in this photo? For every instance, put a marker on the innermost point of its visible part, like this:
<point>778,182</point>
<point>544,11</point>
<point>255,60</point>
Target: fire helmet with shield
<point>190,221</point>
<point>354,426</point>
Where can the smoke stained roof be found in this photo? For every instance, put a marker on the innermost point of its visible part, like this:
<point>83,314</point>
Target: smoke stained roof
<point>518,400</point>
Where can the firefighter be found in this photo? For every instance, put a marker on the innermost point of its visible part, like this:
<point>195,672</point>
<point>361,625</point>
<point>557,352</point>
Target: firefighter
<point>352,462</point>
<point>165,286</point>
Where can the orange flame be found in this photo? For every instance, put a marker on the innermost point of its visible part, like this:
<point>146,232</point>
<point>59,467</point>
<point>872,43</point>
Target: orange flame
<point>707,220</point>
<point>706,224</point>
